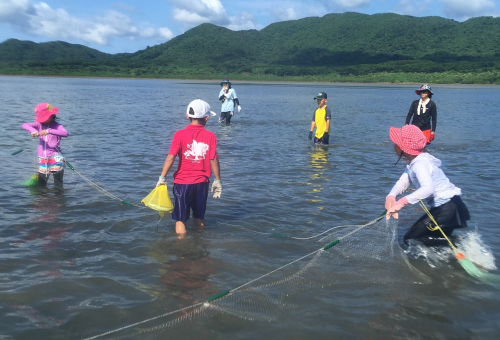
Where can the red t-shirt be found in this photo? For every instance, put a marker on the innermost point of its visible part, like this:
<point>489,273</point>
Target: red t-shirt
<point>195,147</point>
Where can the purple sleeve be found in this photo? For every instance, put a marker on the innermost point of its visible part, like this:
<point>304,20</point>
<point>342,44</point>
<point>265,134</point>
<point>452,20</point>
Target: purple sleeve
<point>31,127</point>
<point>59,130</point>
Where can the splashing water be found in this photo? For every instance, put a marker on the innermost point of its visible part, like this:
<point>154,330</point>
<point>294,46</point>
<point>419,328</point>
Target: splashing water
<point>474,248</point>
<point>470,243</point>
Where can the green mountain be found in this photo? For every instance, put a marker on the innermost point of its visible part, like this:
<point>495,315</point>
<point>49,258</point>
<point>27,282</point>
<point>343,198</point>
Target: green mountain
<point>348,38</point>
<point>336,47</point>
<point>17,50</point>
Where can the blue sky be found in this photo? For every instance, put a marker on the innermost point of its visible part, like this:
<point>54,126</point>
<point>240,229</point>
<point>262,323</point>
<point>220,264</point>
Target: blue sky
<point>115,26</point>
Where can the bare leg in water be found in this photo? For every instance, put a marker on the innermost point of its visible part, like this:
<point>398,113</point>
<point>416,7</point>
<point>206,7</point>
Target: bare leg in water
<point>180,227</point>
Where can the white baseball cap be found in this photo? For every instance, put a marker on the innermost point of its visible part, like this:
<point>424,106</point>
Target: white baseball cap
<point>199,109</point>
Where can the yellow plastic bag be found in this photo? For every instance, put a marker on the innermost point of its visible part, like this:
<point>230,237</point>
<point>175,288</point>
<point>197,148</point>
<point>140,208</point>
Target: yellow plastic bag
<point>159,200</point>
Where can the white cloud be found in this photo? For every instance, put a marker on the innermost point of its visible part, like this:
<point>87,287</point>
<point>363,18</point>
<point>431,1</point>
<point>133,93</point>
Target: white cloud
<point>165,33</point>
<point>15,12</point>
<point>465,9</point>
<point>195,12</point>
<point>13,7</point>
<point>283,14</point>
<point>242,22</point>
<point>40,19</point>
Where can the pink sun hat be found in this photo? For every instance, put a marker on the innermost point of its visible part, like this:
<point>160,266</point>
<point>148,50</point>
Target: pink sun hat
<point>43,112</point>
<point>409,138</point>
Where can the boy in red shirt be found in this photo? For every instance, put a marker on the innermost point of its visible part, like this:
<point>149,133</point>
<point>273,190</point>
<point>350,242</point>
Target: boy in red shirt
<point>196,148</point>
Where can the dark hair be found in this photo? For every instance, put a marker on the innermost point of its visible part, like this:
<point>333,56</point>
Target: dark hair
<point>429,93</point>
<point>200,120</point>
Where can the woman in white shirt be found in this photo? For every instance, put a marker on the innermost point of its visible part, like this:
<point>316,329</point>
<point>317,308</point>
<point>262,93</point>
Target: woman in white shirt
<point>229,100</point>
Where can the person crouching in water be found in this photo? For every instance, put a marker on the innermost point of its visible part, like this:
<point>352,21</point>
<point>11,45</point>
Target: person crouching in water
<point>424,112</point>
<point>321,120</point>
<point>424,172</point>
<point>197,151</point>
<point>229,100</point>
<point>50,160</point>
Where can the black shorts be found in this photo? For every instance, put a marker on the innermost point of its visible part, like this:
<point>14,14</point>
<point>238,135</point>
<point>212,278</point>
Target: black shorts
<point>187,197</point>
<point>320,141</point>
<point>449,216</point>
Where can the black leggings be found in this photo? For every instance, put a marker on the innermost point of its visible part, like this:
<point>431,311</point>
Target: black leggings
<point>448,216</point>
<point>225,116</point>
<point>58,178</point>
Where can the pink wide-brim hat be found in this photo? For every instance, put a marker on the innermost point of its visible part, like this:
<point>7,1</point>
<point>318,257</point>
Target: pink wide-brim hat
<point>409,138</point>
<point>43,112</point>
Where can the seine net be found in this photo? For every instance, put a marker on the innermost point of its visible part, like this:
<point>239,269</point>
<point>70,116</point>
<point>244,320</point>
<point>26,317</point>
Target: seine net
<point>364,254</point>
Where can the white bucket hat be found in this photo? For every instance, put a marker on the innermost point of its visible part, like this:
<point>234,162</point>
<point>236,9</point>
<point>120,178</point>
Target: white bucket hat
<point>199,109</point>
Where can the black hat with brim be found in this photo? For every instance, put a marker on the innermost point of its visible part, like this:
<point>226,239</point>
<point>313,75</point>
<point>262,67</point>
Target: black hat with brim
<point>225,81</point>
<point>321,95</point>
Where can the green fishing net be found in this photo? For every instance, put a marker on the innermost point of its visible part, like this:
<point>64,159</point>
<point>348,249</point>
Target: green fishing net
<point>363,254</point>
<point>33,181</point>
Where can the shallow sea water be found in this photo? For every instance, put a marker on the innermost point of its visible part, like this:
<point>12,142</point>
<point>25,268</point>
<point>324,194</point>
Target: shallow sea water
<point>75,264</point>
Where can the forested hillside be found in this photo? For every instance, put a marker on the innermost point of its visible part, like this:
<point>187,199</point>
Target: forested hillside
<point>16,50</point>
<point>336,47</point>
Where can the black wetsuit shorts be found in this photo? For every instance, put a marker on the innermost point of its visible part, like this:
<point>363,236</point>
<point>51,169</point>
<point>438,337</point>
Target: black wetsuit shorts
<point>451,215</point>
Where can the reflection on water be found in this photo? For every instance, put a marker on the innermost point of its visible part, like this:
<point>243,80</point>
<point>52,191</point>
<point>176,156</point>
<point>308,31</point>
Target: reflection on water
<point>319,164</point>
<point>185,269</point>
<point>45,236</point>
<point>46,203</point>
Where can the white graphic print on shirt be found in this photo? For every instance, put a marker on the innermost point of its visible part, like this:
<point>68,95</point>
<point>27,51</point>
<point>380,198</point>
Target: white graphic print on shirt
<point>196,151</point>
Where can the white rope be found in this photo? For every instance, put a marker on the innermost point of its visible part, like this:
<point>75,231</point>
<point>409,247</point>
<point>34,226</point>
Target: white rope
<point>144,321</point>
<point>98,188</point>
<point>286,265</point>
<point>278,234</point>
<point>361,227</point>
<point>104,191</point>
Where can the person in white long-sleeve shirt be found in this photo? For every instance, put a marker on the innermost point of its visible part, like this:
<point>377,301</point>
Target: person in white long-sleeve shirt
<point>229,100</point>
<point>424,172</point>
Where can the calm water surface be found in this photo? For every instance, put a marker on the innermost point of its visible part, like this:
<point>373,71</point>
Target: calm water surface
<point>74,264</point>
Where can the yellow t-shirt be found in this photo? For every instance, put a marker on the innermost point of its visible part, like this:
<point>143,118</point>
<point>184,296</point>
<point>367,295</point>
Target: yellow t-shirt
<point>321,115</point>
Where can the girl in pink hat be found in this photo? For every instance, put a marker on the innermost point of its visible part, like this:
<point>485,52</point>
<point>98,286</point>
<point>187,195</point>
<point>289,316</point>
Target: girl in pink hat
<point>424,172</point>
<point>50,160</point>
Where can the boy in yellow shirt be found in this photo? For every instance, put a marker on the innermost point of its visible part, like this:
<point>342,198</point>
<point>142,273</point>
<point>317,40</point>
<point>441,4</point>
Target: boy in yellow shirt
<point>321,119</point>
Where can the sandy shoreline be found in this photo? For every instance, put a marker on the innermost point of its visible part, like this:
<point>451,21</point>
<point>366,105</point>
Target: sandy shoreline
<point>247,81</point>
